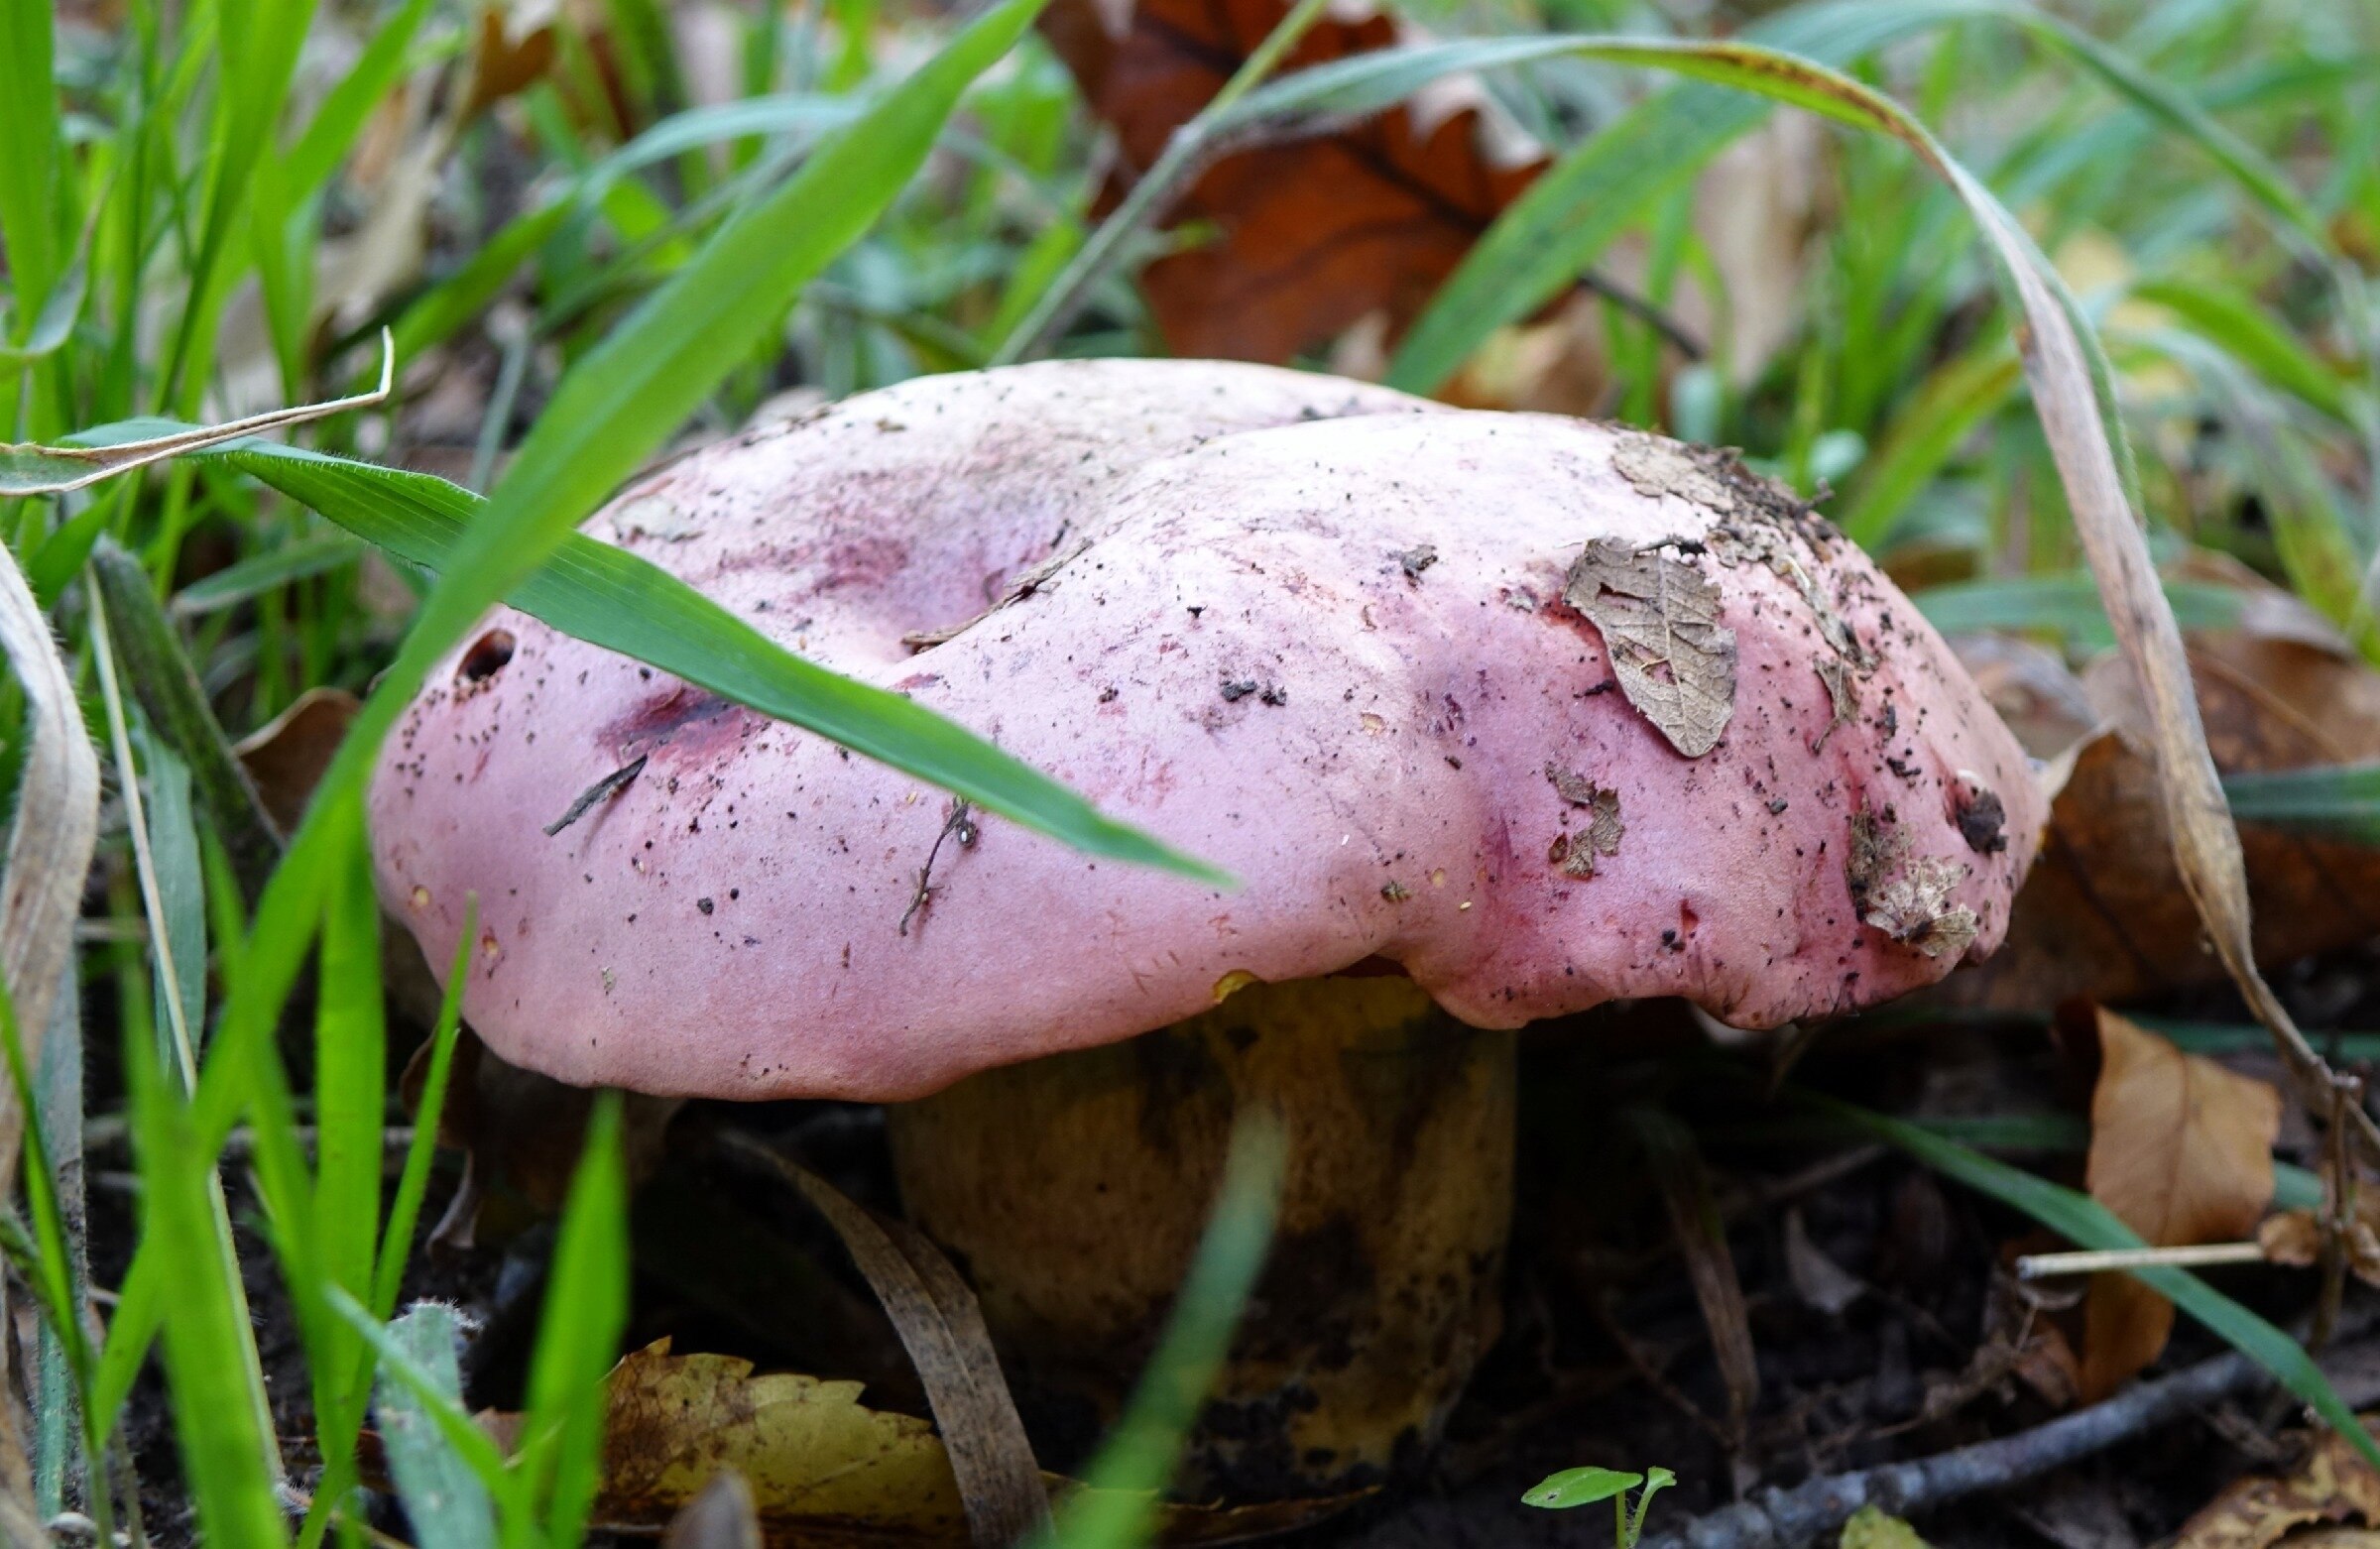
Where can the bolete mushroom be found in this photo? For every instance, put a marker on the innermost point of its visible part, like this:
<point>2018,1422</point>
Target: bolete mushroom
<point>1494,716</point>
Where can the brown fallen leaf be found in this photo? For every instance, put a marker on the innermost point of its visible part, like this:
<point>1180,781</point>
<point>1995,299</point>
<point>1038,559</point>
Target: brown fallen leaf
<point>2104,914</point>
<point>2182,1150</point>
<point>2332,1488</point>
<point>1310,236</point>
<point>2295,1238</point>
<point>287,755</point>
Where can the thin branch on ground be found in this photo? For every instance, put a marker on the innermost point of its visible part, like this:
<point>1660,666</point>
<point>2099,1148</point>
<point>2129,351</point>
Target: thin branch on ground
<point>1777,1518</point>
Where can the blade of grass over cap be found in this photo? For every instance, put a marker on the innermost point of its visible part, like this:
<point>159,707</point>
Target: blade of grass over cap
<point>612,598</point>
<point>2087,1223</point>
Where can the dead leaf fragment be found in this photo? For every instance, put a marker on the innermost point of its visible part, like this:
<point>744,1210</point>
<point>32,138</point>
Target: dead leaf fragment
<point>2181,1151</point>
<point>2295,1238</point>
<point>810,1450</point>
<point>1659,619</point>
<point>1820,1281</point>
<point>820,1467</point>
<point>1575,852</point>
<point>1906,897</point>
<point>1658,466</point>
<point>2333,1486</point>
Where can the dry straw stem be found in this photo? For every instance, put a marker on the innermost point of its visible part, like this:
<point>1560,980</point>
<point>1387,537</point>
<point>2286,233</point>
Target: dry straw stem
<point>943,1327</point>
<point>49,855</point>
<point>28,469</point>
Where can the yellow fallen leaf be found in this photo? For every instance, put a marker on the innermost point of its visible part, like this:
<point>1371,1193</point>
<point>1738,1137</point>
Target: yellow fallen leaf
<point>824,1468</point>
<point>1871,1528</point>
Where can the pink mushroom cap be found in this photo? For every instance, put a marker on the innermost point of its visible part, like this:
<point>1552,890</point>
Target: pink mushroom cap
<point>1439,687</point>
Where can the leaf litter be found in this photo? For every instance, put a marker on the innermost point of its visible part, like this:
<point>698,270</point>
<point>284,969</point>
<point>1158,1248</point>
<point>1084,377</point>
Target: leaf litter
<point>1659,619</point>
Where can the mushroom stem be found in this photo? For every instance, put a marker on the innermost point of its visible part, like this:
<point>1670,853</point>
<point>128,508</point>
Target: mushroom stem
<point>1074,1187</point>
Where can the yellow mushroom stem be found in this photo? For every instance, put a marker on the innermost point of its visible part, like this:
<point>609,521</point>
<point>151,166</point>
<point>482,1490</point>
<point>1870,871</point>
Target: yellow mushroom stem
<point>1073,1189</point>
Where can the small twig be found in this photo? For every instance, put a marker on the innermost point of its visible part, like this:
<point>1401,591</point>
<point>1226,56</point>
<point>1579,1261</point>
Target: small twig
<point>1641,1362</point>
<point>2338,1219</point>
<point>960,825</point>
<point>1645,312</point>
<point>1777,1518</point>
<point>2042,1267</point>
<point>596,793</point>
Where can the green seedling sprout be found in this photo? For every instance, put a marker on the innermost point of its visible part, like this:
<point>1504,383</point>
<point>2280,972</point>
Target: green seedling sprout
<point>1584,1487</point>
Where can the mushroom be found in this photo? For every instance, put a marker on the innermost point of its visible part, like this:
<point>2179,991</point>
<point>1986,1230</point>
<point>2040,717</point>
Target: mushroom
<point>1494,716</point>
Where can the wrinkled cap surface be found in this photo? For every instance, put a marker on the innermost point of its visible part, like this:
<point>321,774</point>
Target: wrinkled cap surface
<point>1543,711</point>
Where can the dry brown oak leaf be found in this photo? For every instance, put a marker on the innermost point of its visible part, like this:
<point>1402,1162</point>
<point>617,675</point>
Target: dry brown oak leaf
<point>1310,235</point>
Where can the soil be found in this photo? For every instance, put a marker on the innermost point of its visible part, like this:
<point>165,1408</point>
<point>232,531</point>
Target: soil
<point>1920,1360</point>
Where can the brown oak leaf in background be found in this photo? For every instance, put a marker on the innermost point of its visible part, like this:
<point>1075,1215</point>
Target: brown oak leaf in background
<point>2104,914</point>
<point>2182,1150</point>
<point>2332,1488</point>
<point>1312,236</point>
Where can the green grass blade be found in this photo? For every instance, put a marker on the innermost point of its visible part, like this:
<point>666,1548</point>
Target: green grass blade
<point>52,1279</point>
<point>613,598</point>
<point>350,1111</point>
<point>161,676</point>
<point>435,1399</point>
<point>2069,603</point>
<point>443,1495</point>
<point>218,1404</point>
<point>281,565</point>
<point>1957,398</point>
<point>1118,1505</point>
<point>405,1206</point>
<point>579,1335</point>
<point>2087,1223</point>
<point>2236,321</point>
<point>180,884</point>
<point>332,131</point>
<point>1611,181</point>
<point>350,1060</point>
<point>2339,801</point>
<point>28,152</point>
<point>53,324</point>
